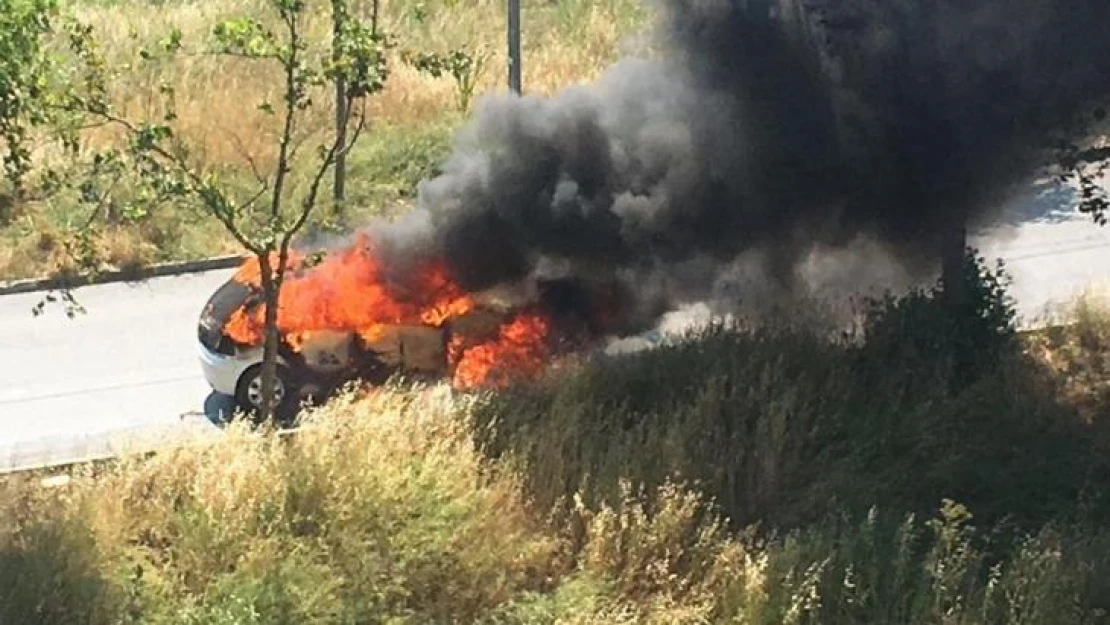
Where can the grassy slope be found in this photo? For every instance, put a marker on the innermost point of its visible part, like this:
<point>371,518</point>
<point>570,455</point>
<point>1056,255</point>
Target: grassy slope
<point>780,425</point>
<point>384,513</point>
<point>411,121</point>
<point>407,507</point>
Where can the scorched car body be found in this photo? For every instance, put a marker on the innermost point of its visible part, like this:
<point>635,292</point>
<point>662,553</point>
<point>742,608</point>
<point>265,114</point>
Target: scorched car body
<point>324,360</point>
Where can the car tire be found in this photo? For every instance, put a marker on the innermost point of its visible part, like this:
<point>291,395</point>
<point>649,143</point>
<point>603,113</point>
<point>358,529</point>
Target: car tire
<point>248,392</point>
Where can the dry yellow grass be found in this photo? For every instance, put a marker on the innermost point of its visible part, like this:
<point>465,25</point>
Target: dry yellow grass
<point>1077,353</point>
<point>382,510</point>
<point>385,507</point>
<point>217,99</point>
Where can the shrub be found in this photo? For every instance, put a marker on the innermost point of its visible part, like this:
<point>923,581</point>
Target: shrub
<point>784,425</point>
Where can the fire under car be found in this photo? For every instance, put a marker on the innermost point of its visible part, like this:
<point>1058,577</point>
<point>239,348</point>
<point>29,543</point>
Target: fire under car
<point>325,360</point>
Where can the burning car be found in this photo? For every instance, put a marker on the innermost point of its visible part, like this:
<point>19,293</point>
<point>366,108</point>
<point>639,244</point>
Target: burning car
<point>344,318</point>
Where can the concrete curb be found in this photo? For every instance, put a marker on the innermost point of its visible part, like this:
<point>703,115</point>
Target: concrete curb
<point>60,452</point>
<point>124,275</point>
<point>101,449</point>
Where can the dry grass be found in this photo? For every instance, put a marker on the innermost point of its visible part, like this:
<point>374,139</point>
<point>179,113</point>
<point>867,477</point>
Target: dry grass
<point>1077,352</point>
<point>217,102</point>
<point>382,511</point>
<point>566,43</point>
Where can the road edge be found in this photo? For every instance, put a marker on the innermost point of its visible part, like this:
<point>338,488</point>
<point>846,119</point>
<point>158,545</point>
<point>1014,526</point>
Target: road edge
<point>139,274</point>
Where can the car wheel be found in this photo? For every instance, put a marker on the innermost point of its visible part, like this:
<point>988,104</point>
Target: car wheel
<point>248,393</point>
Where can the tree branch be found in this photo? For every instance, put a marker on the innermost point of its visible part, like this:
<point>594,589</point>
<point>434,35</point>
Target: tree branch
<point>291,97</point>
<point>230,53</point>
<point>309,201</point>
<point>100,201</point>
<point>359,128</point>
<point>198,184</point>
<point>261,191</point>
<point>248,157</point>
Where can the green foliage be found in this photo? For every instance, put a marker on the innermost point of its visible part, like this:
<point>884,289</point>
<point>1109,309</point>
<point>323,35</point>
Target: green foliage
<point>924,406</point>
<point>24,76</point>
<point>396,159</point>
<point>358,54</point>
<point>246,36</point>
<point>1084,164</point>
<point>38,95</point>
<point>957,331</point>
<point>464,67</point>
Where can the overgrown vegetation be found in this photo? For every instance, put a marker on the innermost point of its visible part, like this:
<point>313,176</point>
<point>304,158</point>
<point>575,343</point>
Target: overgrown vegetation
<point>739,475</point>
<point>777,422</point>
<point>442,55</point>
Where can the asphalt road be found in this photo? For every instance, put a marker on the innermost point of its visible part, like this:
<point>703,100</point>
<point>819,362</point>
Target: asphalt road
<point>1051,263</point>
<point>75,388</point>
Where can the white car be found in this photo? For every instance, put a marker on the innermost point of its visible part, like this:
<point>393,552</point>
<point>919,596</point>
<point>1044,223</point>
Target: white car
<point>230,368</point>
<point>328,360</point>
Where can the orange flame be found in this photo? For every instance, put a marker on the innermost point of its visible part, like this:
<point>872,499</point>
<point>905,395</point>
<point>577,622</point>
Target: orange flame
<point>250,272</point>
<point>518,353</point>
<point>349,291</point>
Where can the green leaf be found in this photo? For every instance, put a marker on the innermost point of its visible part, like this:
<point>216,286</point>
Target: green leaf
<point>245,36</point>
<point>150,136</point>
<point>172,42</point>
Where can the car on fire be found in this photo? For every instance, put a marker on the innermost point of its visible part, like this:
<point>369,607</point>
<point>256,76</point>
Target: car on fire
<point>348,316</point>
<point>313,365</point>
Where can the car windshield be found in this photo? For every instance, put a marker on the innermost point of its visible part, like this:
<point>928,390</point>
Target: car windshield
<point>225,301</point>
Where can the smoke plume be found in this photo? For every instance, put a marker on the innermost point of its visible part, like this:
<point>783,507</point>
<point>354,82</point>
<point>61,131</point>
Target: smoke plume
<point>762,133</point>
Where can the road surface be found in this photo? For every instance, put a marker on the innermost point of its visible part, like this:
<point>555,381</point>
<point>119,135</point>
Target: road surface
<point>1051,263</point>
<point>128,366</point>
<point>72,386</point>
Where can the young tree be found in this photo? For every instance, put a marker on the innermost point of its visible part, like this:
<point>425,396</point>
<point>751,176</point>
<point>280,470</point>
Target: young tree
<point>265,220</point>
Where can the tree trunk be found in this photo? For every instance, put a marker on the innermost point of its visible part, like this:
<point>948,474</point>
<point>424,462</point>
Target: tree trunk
<point>952,261</point>
<point>271,289</point>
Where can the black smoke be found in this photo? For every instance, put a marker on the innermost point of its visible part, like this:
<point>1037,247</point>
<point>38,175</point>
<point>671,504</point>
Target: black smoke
<point>761,131</point>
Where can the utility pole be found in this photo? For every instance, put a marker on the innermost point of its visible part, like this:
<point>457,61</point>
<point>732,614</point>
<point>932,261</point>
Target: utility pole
<point>339,16</point>
<point>514,46</point>
<point>954,246</point>
<point>340,185</point>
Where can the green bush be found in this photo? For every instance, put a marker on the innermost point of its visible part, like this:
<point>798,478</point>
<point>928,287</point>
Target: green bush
<point>784,425</point>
